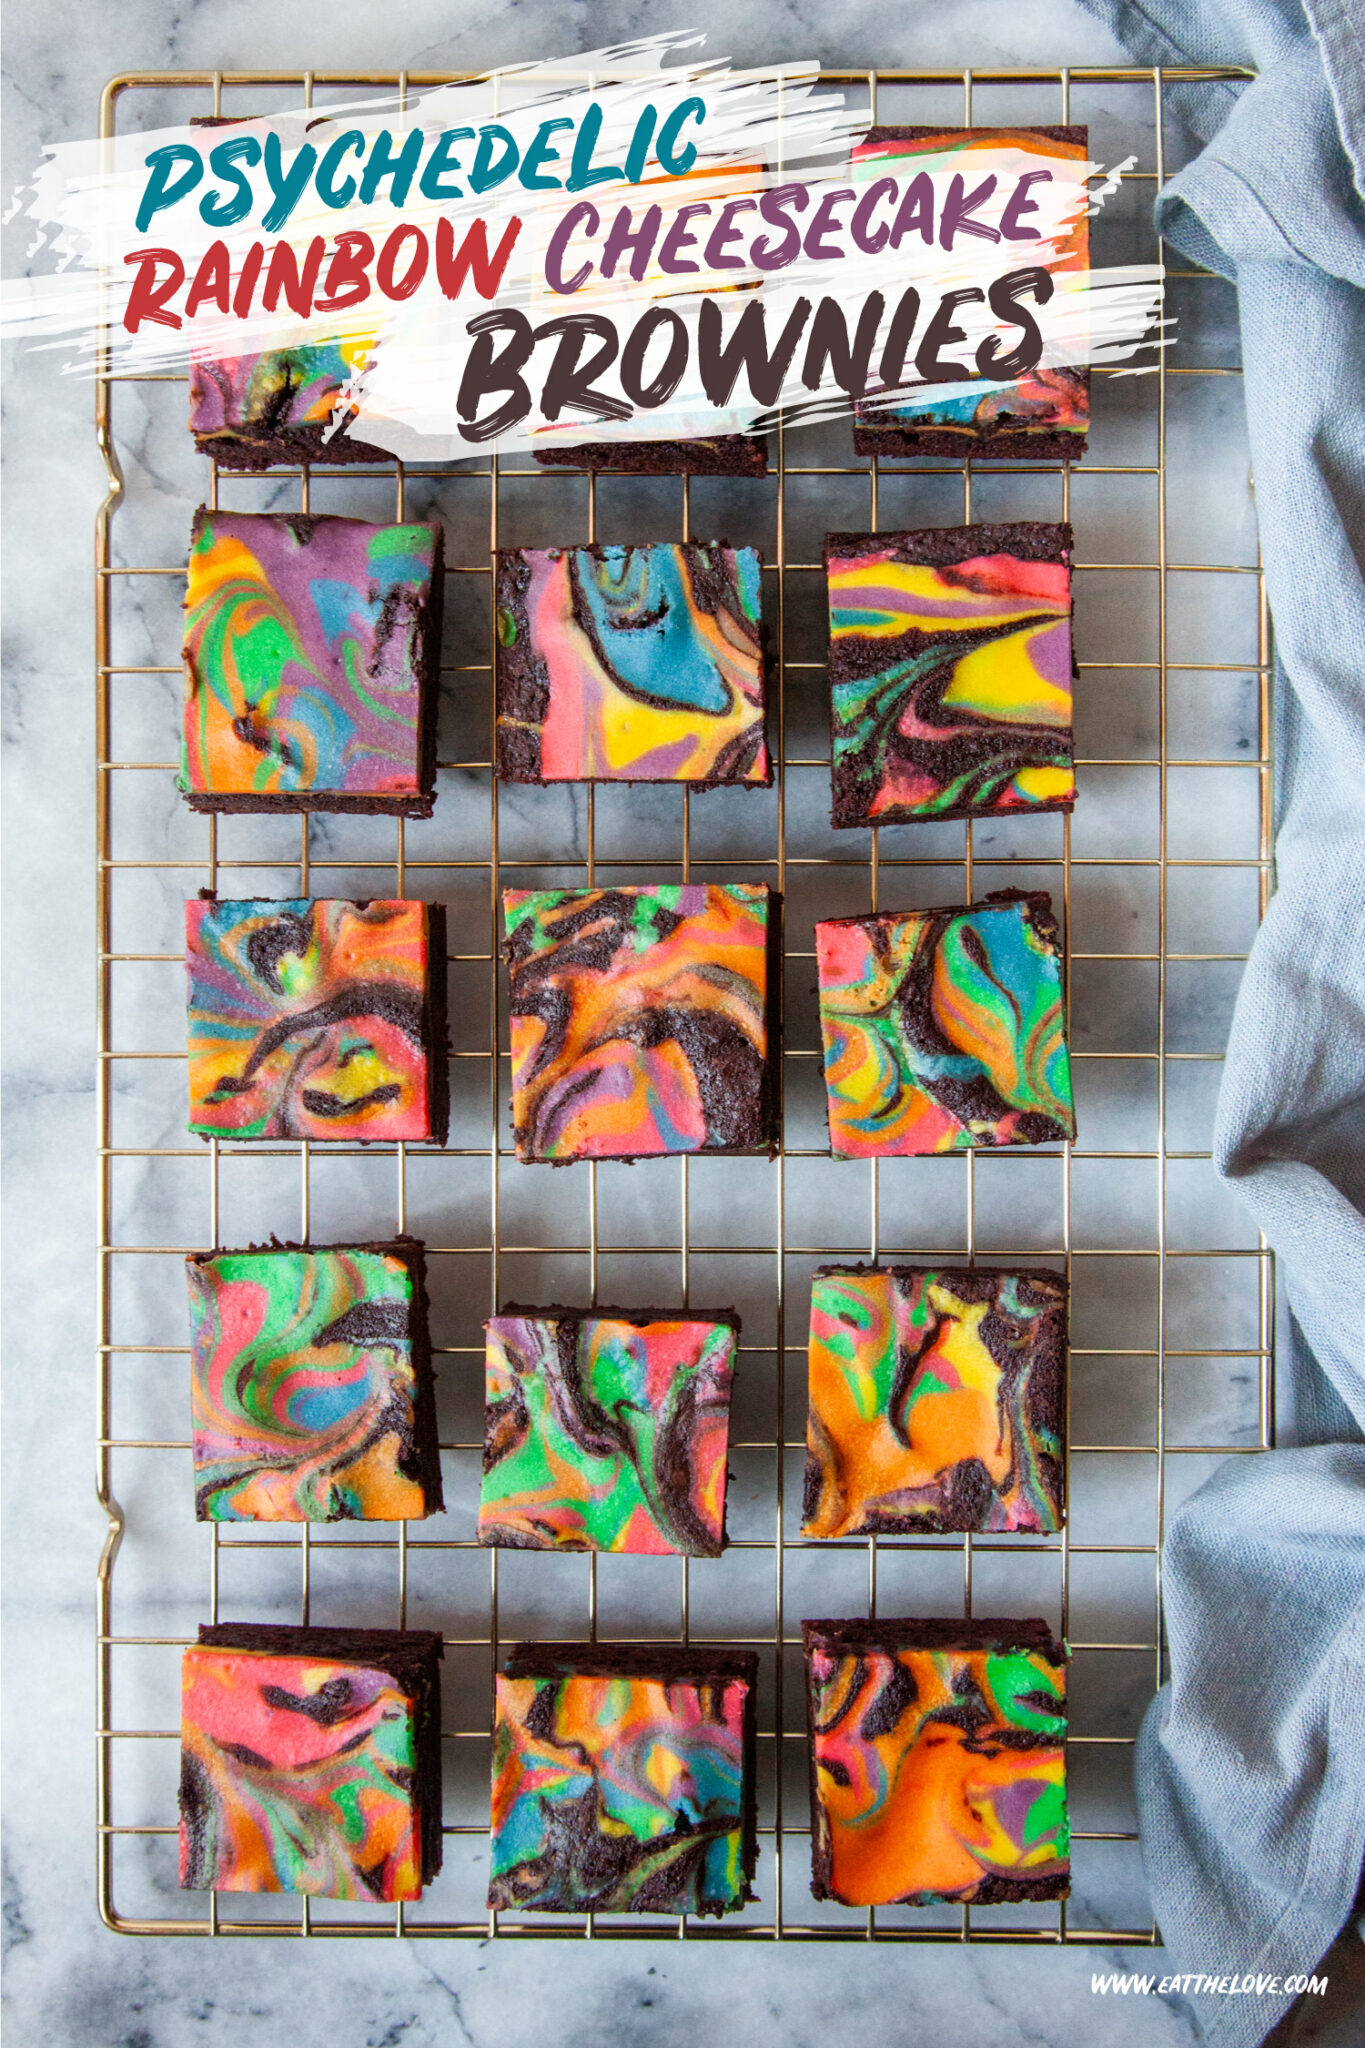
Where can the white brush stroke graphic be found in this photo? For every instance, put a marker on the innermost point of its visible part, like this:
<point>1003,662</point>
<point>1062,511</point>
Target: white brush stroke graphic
<point>759,131</point>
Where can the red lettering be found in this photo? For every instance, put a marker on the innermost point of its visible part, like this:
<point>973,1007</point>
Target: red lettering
<point>392,286</point>
<point>148,296</point>
<point>246,283</point>
<point>211,280</point>
<point>348,277</point>
<point>297,282</point>
<point>454,265</point>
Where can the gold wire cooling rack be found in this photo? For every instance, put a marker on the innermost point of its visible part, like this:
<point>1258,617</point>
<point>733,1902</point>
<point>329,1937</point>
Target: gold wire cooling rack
<point>1171,1365</point>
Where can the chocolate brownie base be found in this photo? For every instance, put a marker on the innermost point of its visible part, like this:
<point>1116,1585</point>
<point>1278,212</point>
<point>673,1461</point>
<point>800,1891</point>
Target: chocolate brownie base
<point>1078,135</point>
<point>939,547</point>
<point>1044,917</point>
<point>289,448</point>
<point>340,806</point>
<point>435,1020</point>
<point>725,455</point>
<point>1001,445</point>
<point>935,1632</point>
<point>637,1318</point>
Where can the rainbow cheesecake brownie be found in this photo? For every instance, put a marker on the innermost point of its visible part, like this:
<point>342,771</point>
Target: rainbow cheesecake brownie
<point>944,1030</point>
<point>1041,416</point>
<point>937,1401</point>
<point>316,1019</point>
<point>623,1779</point>
<point>951,669</point>
<point>606,1431</point>
<point>640,1020</point>
<point>632,664</point>
<point>275,407</point>
<point>310,1761</point>
<point>311,1384</point>
<point>938,1762</point>
<point>312,653</point>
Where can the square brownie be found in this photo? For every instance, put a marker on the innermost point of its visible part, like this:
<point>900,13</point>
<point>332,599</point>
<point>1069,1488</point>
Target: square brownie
<point>253,412</point>
<point>310,1761</point>
<point>311,1384</point>
<point>623,1779</point>
<point>316,1019</point>
<point>1043,416</point>
<point>951,669</point>
<point>713,455</point>
<point>312,664</point>
<point>945,1029</point>
<point>606,1430</point>
<point>937,1761</point>
<point>640,1019</point>
<point>937,1401</point>
<point>632,664</point>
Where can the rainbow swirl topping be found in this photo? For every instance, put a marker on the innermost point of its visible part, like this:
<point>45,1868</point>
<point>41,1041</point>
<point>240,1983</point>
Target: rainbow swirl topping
<point>638,1019</point>
<point>631,664</point>
<point>308,1406</point>
<point>606,1433</point>
<point>297,1775</point>
<point>622,1790</point>
<point>936,1401</point>
<point>308,642</point>
<point>950,673</point>
<point>939,1766</point>
<point>944,1029</point>
<point>310,1019</point>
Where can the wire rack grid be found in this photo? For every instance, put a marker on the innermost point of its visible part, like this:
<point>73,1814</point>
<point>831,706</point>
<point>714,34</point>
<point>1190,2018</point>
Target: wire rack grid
<point>1173,1313</point>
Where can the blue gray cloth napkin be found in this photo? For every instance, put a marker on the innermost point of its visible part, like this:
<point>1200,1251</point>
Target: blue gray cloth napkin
<point>1251,1761</point>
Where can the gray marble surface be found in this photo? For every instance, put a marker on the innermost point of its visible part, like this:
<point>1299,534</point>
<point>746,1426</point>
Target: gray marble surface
<point>68,1980</point>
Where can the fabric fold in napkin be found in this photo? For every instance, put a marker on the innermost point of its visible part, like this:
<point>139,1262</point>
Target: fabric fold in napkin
<point>1251,1762</point>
